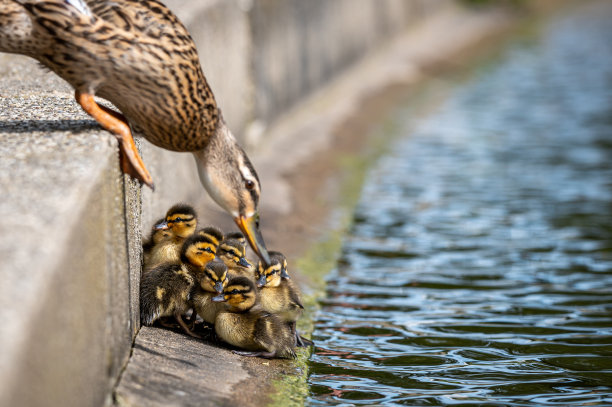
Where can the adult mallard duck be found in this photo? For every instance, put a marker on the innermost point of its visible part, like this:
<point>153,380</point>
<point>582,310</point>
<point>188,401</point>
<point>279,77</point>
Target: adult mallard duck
<point>139,56</point>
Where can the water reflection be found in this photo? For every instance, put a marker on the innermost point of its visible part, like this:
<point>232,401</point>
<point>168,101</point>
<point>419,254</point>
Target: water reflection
<point>479,266</point>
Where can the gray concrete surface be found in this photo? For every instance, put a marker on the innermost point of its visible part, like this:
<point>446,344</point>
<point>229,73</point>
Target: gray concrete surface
<point>65,297</point>
<point>70,251</point>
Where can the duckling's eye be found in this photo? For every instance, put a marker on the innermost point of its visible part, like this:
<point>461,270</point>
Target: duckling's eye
<point>234,291</point>
<point>178,219</point>
<point>248,184</point>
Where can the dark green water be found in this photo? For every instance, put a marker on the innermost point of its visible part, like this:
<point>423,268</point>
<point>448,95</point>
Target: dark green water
<point>479,266</point>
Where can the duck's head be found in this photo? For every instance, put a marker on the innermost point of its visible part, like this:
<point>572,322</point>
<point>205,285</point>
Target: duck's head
<point>198,250</point>
<point>240,294</point>
<point>212,232</point>
<point>270,276</point>
<point>230,179</point>
<point>160,234</point>
<point>232,252</point>
<point>181,219</point>
<point>214,277</point>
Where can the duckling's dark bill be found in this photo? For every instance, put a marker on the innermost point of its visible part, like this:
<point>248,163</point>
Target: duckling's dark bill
<point>249,227</point>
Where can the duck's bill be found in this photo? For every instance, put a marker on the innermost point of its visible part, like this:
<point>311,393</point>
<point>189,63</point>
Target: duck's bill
<point>219,287</point>
<point>162,226</point>
<point>250,229</point>
<point>244,262</point>
<point>261,281</point>
<point>219,298</point>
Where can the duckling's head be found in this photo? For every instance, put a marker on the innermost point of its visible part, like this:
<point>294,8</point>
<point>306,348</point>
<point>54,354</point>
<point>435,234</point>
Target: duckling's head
<point>240,294</point>
<point>214,278</point>
<point>232,252</point>
<point>158,235</point>
<point>230,179</point>
<point>240,237</point>
<point>198,250</point>
<point>213,232</point>
<point>181,219</point>
<point>271,275</point>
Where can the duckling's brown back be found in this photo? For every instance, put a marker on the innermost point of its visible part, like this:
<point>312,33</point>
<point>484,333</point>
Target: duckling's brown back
<point>164,291</point>
<point>238,329</point>
<point>167,251</point>
<point>283,300</point>
<point>272,334</point>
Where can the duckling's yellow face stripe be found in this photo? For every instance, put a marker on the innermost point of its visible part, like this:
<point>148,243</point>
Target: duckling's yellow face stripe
<point>272,274</point>
<point>182,224</point>
<point>237,294</point>
<point>230,250</point>
<point>201,253</point>
<point>211,237</point>
<point>233,255</point>
<point>212,279</point>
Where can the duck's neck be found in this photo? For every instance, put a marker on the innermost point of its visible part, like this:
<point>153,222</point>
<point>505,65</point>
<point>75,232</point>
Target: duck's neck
<point>219,167</point>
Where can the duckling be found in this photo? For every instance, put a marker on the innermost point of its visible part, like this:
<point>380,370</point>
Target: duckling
<point>240,237</point>
<point>212,283</point>
<point>141,58</point>
<point>232,253</point>
<point>213,232</point>
<point>156,236</point>
<point>278,294</point>
<point>166,289</point>
<point>181,221</point>
<point>246,325</point>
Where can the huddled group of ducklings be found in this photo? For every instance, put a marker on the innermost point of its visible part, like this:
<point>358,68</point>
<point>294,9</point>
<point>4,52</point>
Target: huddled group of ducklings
<point>252,308</point>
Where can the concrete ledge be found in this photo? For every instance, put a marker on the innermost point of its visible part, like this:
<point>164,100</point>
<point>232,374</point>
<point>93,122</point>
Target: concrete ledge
<point>67,285</point>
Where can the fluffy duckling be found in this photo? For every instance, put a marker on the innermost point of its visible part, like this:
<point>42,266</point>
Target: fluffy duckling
<point>166,289</point>
<point>278,294</point>
<point>232,253</point>
<point>240,237</point>
<point>246,325</point>
<point>180,222</point>
<point>156,236</point>
<point>211,284</point>
<point>212,232</point>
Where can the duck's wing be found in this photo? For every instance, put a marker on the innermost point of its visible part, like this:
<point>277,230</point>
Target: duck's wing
<point>148,17</point>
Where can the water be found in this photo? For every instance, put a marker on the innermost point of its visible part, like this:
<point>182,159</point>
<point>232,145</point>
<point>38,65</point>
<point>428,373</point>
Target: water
<point>479,266</point>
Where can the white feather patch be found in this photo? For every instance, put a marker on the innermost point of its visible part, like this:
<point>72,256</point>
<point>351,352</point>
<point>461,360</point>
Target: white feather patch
<point>80,5</point>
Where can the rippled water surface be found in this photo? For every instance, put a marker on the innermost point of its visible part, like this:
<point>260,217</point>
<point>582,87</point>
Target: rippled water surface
<point>479,266</point>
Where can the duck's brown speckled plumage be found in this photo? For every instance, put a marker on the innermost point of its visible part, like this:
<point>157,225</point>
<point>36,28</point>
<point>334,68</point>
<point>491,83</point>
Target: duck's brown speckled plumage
<point>139,56</point>
<point>155,78</point>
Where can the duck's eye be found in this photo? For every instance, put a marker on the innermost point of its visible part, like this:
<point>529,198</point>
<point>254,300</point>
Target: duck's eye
<point>248,184</point>
<point>234,291</point>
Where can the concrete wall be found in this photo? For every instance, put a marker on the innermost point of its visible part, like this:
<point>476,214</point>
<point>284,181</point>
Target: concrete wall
<point>69,256</point>
<point>71,229</point>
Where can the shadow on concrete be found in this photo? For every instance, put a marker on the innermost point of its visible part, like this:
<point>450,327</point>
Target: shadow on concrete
<point>26,126</point>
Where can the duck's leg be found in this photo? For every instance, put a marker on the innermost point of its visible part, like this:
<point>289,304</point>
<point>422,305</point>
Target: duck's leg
<point>131,163</point>
<point>183,325</point>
